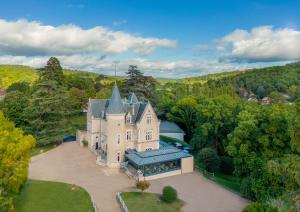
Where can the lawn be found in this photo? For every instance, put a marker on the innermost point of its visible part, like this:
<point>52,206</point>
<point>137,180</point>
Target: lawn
<point>149,202</point>
<point>44,196</point>
<point>230,182</point>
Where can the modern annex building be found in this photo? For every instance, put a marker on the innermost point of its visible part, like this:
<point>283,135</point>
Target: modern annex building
<point>125,133</point>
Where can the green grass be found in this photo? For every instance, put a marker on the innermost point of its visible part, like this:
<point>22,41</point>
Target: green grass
<point>43,196</point>
<point>230,182</point>
<point>38,150</point>
<point>149,202</point>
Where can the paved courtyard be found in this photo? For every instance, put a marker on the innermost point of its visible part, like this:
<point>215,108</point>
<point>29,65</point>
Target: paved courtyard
<point>73,164</point>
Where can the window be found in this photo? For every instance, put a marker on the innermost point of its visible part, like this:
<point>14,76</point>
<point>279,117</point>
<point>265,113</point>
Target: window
<point>148,119</point>
<point>118,156</point>
<point>128,135</point>
<point>118,138</point>
<point>148,149</point>
<point>128,119</point>
<point>148,135</point>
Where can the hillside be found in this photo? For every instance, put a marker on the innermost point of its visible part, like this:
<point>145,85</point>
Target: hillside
<point>10,74</point>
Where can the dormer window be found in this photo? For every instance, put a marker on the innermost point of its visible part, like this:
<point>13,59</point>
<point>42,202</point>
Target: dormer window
<point>129,119</point>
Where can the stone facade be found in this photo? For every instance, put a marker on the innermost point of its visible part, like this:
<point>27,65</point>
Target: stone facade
<point>115,125</point>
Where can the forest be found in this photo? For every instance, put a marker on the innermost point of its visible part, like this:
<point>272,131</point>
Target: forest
<point>230,129</point>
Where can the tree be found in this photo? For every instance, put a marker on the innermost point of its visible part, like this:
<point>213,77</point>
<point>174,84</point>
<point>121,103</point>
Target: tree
<point>13,107</point>
<point>52,71</point>
<point>142,86</point>
<point>216,118</point>
<point>210,159</point>
<point>15,149</point>
<point>294,129</point>
<point>78,99</point>
<point>48,106</point>
<point>259,207</point>
<point>22,87</point>
<point>184,113</point>
<point>46,113</point>
<point>142,185</point>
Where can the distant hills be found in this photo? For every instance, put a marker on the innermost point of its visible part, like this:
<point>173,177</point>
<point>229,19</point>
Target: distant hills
<point>285,75</point>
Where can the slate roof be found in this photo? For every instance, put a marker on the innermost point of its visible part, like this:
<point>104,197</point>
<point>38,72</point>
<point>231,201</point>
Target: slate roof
<point>116,105</point>
<point>164,154</point>
<point>169,127</point>
<point>132,98</point>
<point>97,106</point>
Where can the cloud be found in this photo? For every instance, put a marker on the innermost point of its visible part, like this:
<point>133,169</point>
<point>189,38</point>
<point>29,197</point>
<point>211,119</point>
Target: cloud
<point>30,38</point>
<point>261,44</point>
<point>157,68</point>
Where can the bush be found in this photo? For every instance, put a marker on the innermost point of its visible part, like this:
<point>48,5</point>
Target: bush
<point>210,159</point>
<point>142,185</point>
<point>246,188</point>
<point>227,166</point>
<point>259,207</point>
<point>169,194</point>
<point>84,142</point>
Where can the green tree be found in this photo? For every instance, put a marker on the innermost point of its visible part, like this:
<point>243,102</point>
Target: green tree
<point>142,86</point>
<point>48,106</point>
<point>15,149</point>
<point>78,99</point>
<point>22,87</point>
<point>52,71</point>
<point>46,113</point>
<point>210,159</point>
<point>184,113</point>
<point>215,120</point>
<point>13,107</point>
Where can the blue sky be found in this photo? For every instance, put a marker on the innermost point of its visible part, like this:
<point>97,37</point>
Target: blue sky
<point>164,38</point>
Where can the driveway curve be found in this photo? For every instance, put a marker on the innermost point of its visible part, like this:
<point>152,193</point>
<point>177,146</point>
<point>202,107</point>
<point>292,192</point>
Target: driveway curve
<point>73,164</point>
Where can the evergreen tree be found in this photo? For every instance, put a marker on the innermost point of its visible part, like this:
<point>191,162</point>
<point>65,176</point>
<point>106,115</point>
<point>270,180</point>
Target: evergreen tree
<point>142,86</point>
<point>48,106</point>
<point>52,71</point>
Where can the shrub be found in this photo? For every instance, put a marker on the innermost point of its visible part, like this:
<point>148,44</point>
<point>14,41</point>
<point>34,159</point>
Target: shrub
<point>246,188</point>
<point>142,185</point>
<point>227,166</point>
<point>259,207</point>
<point>169,194</point>
<point>210,159</point>
<point>85,143</point>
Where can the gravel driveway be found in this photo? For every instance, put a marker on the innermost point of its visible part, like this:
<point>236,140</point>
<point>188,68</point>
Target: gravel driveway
<point>73,164</point>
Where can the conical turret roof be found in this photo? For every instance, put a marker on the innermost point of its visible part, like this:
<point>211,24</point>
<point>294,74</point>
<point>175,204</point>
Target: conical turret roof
<point>132,98</point>
<point>115,105</point>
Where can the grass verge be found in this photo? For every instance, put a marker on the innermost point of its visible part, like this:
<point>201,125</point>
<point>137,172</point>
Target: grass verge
<point>44,196</point>
<point>149,202</point>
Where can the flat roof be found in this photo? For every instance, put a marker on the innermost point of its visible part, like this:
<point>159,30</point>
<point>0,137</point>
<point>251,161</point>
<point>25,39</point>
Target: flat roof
<point>164,154</point>
<point>169,127</point>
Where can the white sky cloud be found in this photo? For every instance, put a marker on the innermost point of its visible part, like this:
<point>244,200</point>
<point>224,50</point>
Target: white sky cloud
<point>262,43</point>
<point>24,37</point>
